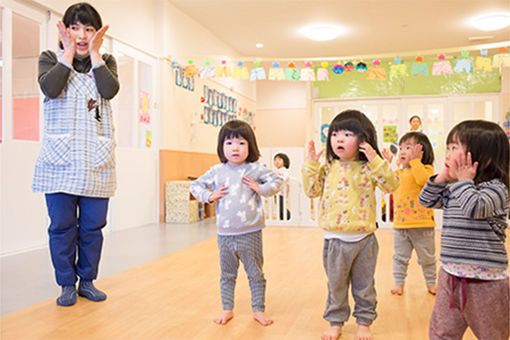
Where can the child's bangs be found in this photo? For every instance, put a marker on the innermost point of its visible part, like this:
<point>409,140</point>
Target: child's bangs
<point>86,18</point>
<point>347,124</point>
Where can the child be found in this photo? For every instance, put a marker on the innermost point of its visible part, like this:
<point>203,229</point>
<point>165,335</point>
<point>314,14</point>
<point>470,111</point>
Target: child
<point>76,166</point>
<point>413,224</point>
<point>346,185</point>
<point>282,163</point>
<point>237,184</point>
<point>472,190</point>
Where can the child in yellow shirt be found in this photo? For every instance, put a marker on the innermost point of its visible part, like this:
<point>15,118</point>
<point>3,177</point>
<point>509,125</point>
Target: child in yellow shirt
<point>346,185</point>
<point>413,224</point>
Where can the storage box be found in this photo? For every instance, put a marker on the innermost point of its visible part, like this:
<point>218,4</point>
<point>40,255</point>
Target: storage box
<point>182,211</point>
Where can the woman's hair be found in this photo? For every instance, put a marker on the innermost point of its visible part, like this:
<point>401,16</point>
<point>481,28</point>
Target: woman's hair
<point>356,122</point>
<point>423,140</point>
<point>415,116</point>
<point>84,13</point>
<point>488,145</point>
<point>235,129</point>
<point>284,158</point>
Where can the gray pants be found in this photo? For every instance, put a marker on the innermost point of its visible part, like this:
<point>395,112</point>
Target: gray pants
<point>248,249</point>
<point>422,240</point>
<point>350,263</point>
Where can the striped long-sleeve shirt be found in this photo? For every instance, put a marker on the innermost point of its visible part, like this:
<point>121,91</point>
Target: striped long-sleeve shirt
<point>474,221</point>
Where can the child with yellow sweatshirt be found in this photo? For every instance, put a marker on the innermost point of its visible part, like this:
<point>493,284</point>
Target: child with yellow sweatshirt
<point>346,185</point>
<point>413,224</point>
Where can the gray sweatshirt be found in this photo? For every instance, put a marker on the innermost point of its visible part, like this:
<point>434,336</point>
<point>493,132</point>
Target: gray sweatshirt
<point>240,211</point>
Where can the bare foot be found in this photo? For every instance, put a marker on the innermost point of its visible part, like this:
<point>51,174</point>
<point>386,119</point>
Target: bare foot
<point>432,289</point>
<point>224,317</point>
<point>397,290</point>
<point>332,334</point>
<point>363,333</point>
<point>262,318</point>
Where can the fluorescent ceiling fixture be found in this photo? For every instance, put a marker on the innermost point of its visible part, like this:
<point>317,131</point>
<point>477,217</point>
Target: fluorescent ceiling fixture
<point>492,22</point>
<point>322,32</point>
<point>259,45</point>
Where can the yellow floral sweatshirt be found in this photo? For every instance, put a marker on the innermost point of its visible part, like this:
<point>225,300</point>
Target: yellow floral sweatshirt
<point>408,212</point>
<point>346,191</point>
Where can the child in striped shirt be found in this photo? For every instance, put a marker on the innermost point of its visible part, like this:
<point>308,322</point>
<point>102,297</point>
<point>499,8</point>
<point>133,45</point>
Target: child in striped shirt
<point>472,190</point>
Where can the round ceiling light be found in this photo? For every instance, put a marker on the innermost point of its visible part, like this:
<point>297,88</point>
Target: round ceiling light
<point>322,32</point>
<point>492,22</point>
<point>259,45</point>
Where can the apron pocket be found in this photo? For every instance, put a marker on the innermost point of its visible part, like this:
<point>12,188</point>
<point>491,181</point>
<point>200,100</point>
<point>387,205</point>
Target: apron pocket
<point>104,153</point>
<point>56,150</point>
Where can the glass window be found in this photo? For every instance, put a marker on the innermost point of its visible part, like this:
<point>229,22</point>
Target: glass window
<point>25,88</point>
<point>435,130</point>
<point>461,111</point>
<point>145,105</point>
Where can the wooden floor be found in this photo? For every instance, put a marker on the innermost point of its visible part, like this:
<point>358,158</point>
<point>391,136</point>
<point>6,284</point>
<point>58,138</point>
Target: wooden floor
<point>176,297</point>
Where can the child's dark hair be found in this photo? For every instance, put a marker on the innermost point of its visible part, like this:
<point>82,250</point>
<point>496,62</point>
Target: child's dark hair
<point>84,13</point>
<point>423,140</point>
<point>284,158</point>
<point>235,129</point>
<point>356,122</point>
<point>488,145</point>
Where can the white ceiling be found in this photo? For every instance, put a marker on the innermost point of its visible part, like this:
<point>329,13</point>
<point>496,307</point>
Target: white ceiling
<point>375,26</point>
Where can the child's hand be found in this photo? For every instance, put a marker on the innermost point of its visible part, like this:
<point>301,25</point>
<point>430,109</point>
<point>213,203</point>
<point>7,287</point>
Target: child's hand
<point>368,150</point>
<point>312,155</point>
<point>463,167</point>
<point>416,152</point>
<point>68,42</point>
<point>250,183</point>
<point>222,191</point>
<point>387,154</point>
<point>444,176</point>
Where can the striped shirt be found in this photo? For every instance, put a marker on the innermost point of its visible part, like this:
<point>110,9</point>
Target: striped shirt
<point>474,221</point>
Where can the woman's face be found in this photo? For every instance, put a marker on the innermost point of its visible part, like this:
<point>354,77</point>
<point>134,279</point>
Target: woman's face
<point>415,123</point>
<point>82,35</point>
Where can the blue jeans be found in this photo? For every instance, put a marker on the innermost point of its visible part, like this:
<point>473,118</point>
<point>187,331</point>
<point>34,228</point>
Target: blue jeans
<point>75,225</point>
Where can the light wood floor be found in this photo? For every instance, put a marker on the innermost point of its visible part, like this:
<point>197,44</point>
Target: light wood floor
<point>176,297</point>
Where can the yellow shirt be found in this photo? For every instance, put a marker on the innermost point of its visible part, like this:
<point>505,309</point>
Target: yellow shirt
<point>408,212</point>
<point>346,189</point>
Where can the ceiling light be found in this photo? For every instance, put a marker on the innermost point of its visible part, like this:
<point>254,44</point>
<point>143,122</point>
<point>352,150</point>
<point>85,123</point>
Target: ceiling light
<point>322,32</point>
<point>259,45</point>
<point>492,22</point>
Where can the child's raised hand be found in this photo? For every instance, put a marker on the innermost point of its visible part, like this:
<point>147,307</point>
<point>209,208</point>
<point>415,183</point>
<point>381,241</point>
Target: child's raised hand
<point>312,155</point>
<point>463,167</point>
<point>219,193</point>
<point>250,183</point>
<point>368,150</point>
<point>416,151</point>
<point>387,154</point>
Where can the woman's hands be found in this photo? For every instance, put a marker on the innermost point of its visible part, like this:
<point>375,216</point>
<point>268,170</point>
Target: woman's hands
<point>312,154</point>
<point>95,44</point>
<point>68,42</point>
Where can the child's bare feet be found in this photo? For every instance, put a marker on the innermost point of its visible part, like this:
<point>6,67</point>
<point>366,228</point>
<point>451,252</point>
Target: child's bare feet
<point>262,318</point>
<point>224,317</point>
<point>332,334</point>
<point>397,290</point>
<point>432,289</point>
<point>363,333</point>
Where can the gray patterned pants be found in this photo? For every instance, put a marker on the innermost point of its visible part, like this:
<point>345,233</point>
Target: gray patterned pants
<point>248,249</point>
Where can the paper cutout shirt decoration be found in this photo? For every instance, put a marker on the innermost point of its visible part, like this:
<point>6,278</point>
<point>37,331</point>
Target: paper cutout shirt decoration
<point>276,72</point>
<point>190,71</point>
<point>441,67</point>
<point>241,72</point>
<point>501,60</point>
<point>223,71</point>
<point>398,71</point>
<point>463,65</point>
<point>307,74</point>
<point>420,69</point>
<point>338,69</point>
<point>292,74</point>
<point>376,72</point>
<point>361,67</point>
<point>258,73</point>
<point>207,72</point>
<point>483,63</point>
<point>322,74</point>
